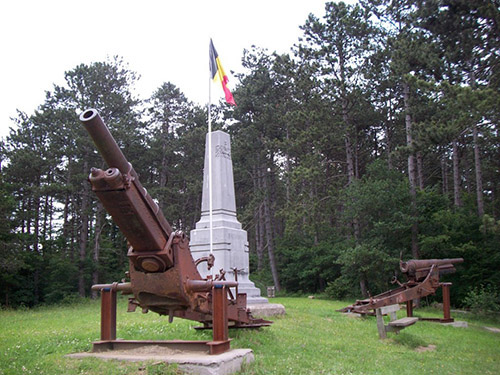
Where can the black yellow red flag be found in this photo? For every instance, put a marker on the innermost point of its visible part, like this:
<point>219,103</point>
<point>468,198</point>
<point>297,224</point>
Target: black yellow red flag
<point>217,73</point>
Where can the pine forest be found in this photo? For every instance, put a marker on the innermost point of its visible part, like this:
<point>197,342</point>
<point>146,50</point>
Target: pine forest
<point>375,139</point>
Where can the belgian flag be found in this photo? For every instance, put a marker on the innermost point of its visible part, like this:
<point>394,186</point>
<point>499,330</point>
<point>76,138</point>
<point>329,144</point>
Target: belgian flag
<point>217,73</point>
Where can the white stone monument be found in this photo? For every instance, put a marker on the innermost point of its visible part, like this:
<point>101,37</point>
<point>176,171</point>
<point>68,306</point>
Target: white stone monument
<point>230,244</point>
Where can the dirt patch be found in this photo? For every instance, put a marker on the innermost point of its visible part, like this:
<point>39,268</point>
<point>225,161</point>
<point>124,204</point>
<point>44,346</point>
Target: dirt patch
<point>429,348</point>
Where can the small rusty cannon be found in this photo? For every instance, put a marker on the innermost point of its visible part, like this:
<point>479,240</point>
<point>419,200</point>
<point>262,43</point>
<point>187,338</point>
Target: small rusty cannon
<point>163,275</point>
<point>418,269</point>
<point>423,280</point>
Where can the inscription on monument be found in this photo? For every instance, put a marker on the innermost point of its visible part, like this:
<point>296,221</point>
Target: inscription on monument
<point>223,151</point>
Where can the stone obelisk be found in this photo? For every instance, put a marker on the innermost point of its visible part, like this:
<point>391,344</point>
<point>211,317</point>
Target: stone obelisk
<point>230,243</point>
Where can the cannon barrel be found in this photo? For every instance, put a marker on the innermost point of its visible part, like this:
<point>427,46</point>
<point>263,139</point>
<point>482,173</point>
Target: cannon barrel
<point>114,158</point>
<point>418,269</point>
<point>104,141</point>
<point>418,264</point>
<point>132,208</point>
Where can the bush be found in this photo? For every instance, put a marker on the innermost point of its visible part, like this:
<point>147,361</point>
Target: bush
<point>483,299</point>
<point>341,288</point>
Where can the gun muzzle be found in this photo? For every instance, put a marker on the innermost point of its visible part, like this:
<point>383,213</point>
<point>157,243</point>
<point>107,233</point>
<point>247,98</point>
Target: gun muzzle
<point>104,141</point>
<point>125,199</point>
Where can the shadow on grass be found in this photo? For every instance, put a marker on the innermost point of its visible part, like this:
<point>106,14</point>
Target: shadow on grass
<point>409,340</point>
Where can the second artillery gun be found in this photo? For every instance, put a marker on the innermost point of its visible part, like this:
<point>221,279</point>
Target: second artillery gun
<point>163,274</point>
<point>423,280</point>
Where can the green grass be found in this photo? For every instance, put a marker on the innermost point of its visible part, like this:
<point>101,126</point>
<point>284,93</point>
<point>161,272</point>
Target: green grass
<point>311,339</point>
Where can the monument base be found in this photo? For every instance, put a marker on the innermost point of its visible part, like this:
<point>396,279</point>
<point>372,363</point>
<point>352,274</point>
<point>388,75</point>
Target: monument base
<point>267,309</point>
<point>252,292</point>
<point>230,249</point>
<point>188,361</point>
<point>257,301</point>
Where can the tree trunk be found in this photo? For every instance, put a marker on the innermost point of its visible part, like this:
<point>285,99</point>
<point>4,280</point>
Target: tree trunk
<point>479,174</point>
<point>345,118</point>
<point>258,240</point>
<point>66,201</point>
<point>350,180</point>
<point>444,176</point>
<point>74,230</point>
<point>269,232</point>
<point>349,160</point>
<point>457,201</point>
<point>67,228</point>
<point>23,220</point>
<point>259,226</point>
<point>411,172</point>
<point>420,170</point>
<point>163,171</point>
<point>261,240</point>
<point>355,150</point>
<point>46,232</point>
<point>84,232</point>
<point>36,245</point>
<point>477,157</point>
<point>389,147</point>
<point>364,289</point>
<point>99,225</point>
<point>313,198</point>
<point>466,168</point>
<point>287,169</point>
<point>388,135</point>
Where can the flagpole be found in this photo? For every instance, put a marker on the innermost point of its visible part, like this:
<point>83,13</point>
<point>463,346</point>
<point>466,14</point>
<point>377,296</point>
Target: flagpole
<point>210,167</point>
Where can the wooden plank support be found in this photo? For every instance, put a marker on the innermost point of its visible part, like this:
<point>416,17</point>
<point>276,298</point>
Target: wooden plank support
<point>394,325</point>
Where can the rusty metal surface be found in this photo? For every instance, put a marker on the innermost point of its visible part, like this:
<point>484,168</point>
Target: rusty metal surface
<point>125,288</point>
<point>114,158</point>
<point>108,314</point>
<point>446,301</point>
<point>221,340</point>
<point>418,269</point>
<point>163,275</point>
<point>423,280</point>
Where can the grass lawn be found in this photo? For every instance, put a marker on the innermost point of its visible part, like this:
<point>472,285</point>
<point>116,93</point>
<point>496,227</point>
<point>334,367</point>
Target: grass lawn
<point>311,339</point>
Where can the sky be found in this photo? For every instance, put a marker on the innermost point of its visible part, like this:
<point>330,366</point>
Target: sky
<point>163,41</point>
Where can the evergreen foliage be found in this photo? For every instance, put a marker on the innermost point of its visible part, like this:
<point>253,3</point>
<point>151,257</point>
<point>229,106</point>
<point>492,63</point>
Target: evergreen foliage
<point>376,138</point>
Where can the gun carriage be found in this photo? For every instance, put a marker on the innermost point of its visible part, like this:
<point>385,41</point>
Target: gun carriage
<point>422,280</point>
<point>163,275</point>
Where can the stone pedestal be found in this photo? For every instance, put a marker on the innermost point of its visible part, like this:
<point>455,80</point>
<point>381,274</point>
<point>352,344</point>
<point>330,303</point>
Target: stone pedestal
<point>230,244</point>
<point>189,361</point>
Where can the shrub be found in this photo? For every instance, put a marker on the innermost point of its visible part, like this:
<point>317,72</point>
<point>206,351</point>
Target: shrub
<point>483,299</point>
<point>341,288</point>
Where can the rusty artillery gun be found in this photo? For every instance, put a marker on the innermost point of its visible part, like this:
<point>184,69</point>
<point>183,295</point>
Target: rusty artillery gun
<point>163,275</point>
<point>423,280</point>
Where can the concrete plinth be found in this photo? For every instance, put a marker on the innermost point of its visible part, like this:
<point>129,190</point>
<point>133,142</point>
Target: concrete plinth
<point>189,362</point>
<point>457,323</point>
<point>352,315</point>
<point>266,309</point>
